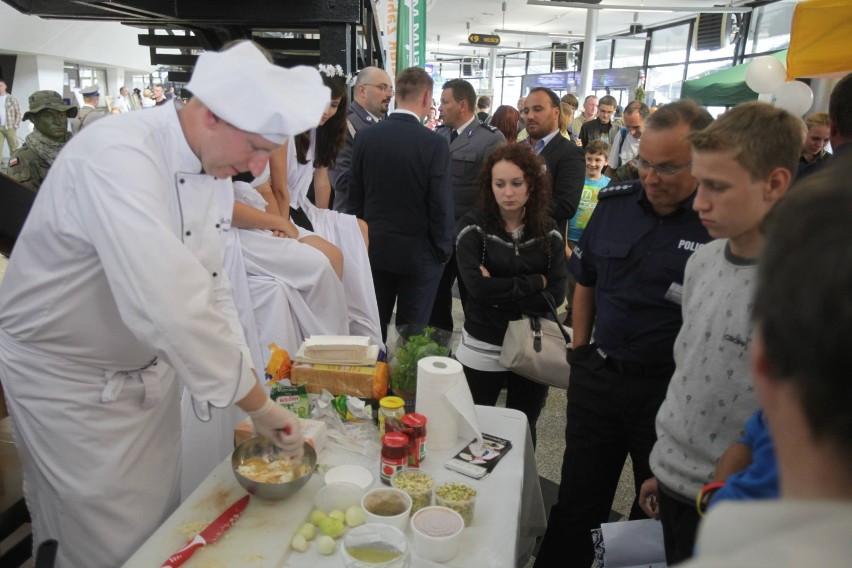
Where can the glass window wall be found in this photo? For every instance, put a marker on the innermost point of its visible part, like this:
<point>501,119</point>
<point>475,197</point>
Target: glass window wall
<point>770,28</point>
<point>663,84</point>
<point>628,53</point>
<point>668,45</point>
<point>603,51</point>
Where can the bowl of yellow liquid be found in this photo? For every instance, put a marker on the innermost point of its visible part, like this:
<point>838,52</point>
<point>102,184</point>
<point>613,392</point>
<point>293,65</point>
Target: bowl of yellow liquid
<point>375,545</point>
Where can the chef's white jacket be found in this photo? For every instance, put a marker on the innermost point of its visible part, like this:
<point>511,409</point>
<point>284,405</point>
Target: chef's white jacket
<point>119,263</point>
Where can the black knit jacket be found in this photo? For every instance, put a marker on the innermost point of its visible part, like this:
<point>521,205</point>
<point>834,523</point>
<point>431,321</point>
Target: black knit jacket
<point>515,285</point>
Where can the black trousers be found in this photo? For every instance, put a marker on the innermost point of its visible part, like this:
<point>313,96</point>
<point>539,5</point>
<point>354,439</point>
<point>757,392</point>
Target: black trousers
<point>413,293</point>
<point>442,310</point>
<point>680,526</point>
<point>522,394</point>
<point>610,414</point>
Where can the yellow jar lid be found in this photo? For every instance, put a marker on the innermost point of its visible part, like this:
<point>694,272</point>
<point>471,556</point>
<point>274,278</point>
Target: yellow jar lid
<point>391,402</point>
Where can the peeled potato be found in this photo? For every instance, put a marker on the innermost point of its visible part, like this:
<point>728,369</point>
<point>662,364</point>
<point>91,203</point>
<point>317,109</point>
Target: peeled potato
<point>332,527</point>
<point>299,543</point>
<point>316,516</point>
<point>325,545</point>
<point>308,531</point>
<point>355,516</point>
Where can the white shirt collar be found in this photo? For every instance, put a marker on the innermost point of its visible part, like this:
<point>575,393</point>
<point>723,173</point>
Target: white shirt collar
<point>405,111</point>
<point>464,126</point>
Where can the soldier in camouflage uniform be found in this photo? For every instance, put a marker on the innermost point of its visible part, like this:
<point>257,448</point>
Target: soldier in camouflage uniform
<point>49,114</point>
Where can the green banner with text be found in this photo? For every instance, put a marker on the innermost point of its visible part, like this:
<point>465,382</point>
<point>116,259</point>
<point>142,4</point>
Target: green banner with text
<point>411,34</point>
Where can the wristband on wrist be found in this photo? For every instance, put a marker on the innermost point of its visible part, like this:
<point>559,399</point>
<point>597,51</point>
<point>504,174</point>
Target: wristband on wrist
<point>706,495</point>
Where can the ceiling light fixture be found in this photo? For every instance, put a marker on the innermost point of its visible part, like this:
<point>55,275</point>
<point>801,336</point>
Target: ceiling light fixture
<point>625,8</point>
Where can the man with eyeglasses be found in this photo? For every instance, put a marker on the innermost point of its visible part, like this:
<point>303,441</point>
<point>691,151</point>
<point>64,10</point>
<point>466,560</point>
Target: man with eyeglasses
<point>625,143</point>
<point>401,185</point>
<point>601,127</point>
<point>629,267</point>
<point>370,101</point>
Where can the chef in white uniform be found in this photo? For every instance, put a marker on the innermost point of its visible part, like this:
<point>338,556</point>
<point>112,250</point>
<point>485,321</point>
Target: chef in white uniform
<point>115,296</point>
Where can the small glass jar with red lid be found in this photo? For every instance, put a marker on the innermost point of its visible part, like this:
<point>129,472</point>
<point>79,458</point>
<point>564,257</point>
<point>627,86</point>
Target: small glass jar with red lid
<point>394,455</point>
<point>415,427</point>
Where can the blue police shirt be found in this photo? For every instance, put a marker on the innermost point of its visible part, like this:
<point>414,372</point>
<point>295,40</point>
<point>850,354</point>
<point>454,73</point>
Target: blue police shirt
<point>635,260</point>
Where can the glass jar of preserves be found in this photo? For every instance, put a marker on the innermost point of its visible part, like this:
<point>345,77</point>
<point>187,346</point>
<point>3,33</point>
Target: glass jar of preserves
<point>390,410</point>
<point>414,426</point>
<point>394,455</point>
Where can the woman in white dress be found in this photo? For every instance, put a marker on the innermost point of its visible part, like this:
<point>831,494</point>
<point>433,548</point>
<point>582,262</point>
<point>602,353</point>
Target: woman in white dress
<point>284,289</point>
<point>305,159</point>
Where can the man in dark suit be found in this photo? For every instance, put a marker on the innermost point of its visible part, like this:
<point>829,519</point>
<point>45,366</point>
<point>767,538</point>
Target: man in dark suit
<point>565,161</point>
<point>370,99</point>
<point>400,185</point>
<point>470,144</point>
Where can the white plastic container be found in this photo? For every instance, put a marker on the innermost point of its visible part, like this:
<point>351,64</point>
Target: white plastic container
<point>437,533</point>
<point>375,546</point>
<point>387,506</point>
<point>340,495</point>
<point>356,474</point>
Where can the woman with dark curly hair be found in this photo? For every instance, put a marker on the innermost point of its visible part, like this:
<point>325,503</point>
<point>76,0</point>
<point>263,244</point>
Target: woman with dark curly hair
<point>509,251</point>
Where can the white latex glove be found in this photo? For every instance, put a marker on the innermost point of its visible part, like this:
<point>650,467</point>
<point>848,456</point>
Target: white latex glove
<point>279,425</point>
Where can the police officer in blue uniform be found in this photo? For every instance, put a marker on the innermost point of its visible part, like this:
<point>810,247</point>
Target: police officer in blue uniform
<point>471,142</point>
<point>629,267</point>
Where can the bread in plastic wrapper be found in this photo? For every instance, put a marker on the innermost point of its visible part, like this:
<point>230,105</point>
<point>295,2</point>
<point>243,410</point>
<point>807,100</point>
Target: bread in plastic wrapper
<point>352,380</point>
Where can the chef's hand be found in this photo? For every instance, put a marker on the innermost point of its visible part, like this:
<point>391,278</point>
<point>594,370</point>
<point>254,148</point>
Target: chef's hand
<point>279,425</point>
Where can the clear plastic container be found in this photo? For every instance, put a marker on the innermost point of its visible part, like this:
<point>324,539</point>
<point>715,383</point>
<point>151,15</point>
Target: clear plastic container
<point>417,483</point>
<point>375,546</point>
<point>459,497</point>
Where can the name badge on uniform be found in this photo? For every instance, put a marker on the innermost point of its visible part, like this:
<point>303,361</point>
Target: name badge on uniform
<point>675,293</point>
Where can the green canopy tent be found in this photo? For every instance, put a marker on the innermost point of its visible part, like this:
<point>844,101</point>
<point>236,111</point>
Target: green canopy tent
<point>723,88</point>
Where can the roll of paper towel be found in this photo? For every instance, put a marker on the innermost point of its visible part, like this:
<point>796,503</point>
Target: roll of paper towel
<point>444,398</point>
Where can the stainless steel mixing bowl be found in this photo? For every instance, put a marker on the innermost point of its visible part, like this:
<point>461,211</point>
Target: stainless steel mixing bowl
<point>263,448</point>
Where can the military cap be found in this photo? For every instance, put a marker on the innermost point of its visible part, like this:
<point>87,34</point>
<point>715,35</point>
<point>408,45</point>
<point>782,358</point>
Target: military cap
<point>41,100</point>
<point>90,91</point>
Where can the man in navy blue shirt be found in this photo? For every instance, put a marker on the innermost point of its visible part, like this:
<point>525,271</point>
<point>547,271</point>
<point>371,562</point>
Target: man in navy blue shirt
<point>629,267</point>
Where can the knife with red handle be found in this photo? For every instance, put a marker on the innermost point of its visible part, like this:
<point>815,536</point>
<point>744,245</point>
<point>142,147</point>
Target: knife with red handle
<point>209,535</point>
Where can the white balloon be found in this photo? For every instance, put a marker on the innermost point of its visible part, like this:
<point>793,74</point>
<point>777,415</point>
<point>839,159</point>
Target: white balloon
<point>765,98</point>
<point>793,96</point>
<point>764,74</point>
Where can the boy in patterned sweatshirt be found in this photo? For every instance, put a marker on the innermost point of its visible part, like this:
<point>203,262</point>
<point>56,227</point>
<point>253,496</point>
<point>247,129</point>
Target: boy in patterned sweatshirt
<point>742,171</point>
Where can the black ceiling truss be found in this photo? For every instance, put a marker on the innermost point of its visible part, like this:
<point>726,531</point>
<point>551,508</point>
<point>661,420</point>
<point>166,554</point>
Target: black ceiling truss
<point>296,32</point>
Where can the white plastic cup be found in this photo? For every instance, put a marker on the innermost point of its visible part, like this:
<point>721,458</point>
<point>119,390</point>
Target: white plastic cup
<point>387,506</point>
<point>437,533</point>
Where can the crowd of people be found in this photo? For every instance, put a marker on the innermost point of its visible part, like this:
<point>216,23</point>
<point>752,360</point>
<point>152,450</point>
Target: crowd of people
<point>186,239</point>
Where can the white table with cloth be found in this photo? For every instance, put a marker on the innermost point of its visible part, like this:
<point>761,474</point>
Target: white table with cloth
<point>509,511</point>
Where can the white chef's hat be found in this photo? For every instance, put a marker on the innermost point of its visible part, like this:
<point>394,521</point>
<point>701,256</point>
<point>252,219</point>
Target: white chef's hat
<point>241,87</point>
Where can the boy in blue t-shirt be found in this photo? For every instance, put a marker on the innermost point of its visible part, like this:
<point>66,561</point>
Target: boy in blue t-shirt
<point>596,159</point>
<point>597,153</point>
